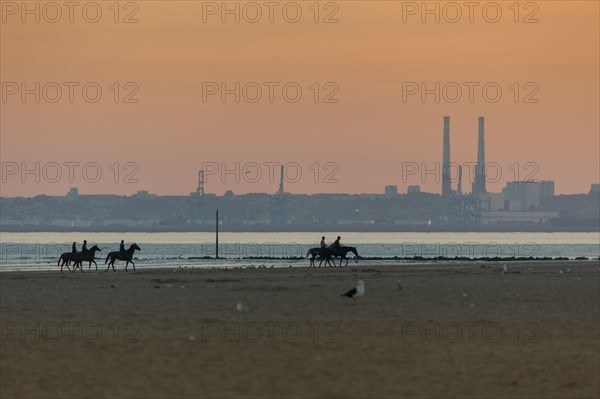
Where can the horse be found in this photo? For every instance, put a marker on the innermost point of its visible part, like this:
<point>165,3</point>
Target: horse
<point>127,256</point>
<point>340,251</point>
<point>314,252</point>
<point>79,257</point>
<point>66,258</point>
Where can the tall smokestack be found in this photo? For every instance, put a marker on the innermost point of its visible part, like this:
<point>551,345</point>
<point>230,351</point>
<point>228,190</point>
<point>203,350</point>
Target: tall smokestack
<point>281,181</point>
<point>479,185</point>
<point>446,187</point>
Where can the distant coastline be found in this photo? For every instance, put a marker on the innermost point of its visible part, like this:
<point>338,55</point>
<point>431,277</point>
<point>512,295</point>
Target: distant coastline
<point>593,227</point>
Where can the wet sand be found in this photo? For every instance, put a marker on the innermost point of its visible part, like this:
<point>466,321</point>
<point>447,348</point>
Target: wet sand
<point>456,330</point>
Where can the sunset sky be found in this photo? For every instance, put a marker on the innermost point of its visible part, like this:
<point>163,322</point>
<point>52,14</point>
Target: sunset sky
<point>369,54</point>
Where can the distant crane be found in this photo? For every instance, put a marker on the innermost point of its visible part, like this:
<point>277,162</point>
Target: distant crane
<point>196,199</point>
<point>200,189</point>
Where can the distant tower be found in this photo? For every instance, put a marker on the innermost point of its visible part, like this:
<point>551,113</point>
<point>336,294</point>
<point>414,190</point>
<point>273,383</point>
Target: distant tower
<point>279,205</point>
<point>459,188</point>
<point>446,187</point>
<point>479,184</point>
<point>281,192</point>
<point>200,189</point>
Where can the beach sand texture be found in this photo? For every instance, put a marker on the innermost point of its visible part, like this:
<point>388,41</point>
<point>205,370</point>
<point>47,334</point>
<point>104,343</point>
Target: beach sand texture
<point>455,330</point>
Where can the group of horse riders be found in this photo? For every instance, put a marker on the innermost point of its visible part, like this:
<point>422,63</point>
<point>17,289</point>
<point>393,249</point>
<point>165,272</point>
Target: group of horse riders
<point>89,255</point>
<point>84,248</point>
<point>327,253</point>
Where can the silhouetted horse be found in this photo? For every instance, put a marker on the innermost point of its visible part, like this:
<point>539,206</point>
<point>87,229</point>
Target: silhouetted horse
<point>88,256</point>
<point>314,252</point>
<point>341,251</point>
<point>127,256</point>
<point>66,258</point>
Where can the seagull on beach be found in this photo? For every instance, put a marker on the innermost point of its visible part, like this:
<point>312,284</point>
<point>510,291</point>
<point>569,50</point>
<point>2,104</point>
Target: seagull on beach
<point>503,269</point>
<point>357,291</point>
<point>399,284</point>
<point>564,270</point>
<point>241,308</point>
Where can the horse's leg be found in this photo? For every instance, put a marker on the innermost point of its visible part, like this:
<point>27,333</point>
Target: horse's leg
<point>95,264</point>
<point>133,265</point>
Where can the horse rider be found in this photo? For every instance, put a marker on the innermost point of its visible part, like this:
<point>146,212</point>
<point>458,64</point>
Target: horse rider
<point>323,245</point>
<point>336,244</point>
<point>122,246</point>
<point>74,248</point>
<point>84,247</point>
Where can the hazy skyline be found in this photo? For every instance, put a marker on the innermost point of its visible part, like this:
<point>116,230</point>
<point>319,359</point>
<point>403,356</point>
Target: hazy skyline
<point>370,55</point>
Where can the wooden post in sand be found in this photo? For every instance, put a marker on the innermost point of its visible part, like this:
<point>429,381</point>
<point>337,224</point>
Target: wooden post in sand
<point>217,237</point>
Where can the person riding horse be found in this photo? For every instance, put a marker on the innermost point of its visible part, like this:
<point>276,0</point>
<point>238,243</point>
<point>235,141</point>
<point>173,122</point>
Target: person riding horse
<point>74,248</point>
<point>122,246</point>
<point>335,247</point>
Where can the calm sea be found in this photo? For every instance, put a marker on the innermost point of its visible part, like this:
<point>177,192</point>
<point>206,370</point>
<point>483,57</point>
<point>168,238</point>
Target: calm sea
<point>40,251</point>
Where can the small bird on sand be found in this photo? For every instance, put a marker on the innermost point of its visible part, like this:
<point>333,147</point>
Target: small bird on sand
<point>503,269</point>
<point>399,284</point>
<point>564,270</point>
<point>241,308</point>
<point>357,291</point>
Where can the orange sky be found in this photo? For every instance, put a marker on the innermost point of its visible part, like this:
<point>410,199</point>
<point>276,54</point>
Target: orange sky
<point>370,133</point>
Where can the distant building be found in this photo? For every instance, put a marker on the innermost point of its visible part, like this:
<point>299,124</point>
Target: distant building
<point>413,189</point>
<point>73,192</point>
<point>546,189</point>
<point>594,189</point>
<point>491,201</point>
<point>391,191</point>
<point>514,218</point>
<point>526,196</point>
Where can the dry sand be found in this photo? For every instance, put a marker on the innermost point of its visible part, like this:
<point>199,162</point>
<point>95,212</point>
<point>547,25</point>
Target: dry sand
<point>456,330</point>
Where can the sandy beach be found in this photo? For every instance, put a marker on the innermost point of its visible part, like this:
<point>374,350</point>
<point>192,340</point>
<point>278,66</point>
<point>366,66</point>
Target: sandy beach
<point>455,330</point>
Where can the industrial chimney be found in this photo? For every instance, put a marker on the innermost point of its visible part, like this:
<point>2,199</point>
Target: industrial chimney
<point>446,187</point>
<point>281,192</point>
<point>479,185</point>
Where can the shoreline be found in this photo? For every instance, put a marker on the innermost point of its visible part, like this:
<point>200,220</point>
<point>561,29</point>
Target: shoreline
<point>235,264</point>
